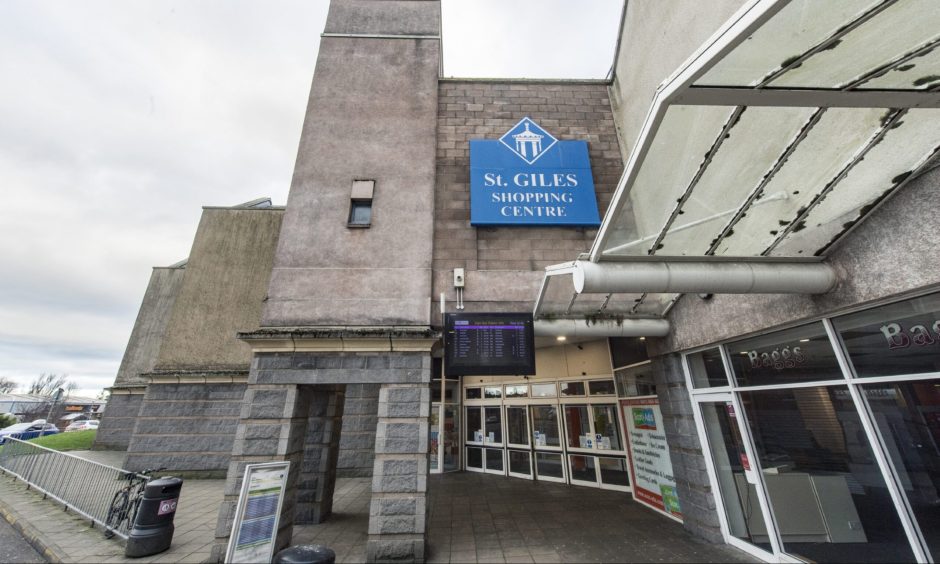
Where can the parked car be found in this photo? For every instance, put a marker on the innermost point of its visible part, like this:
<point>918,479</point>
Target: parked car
<point>85,425</point>
<point>26,431</point>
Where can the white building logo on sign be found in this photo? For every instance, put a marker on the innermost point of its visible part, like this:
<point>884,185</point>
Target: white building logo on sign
<point>528,141</point>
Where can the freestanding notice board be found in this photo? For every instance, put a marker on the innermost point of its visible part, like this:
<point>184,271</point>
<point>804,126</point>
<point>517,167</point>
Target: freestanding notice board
<point>254,529</point>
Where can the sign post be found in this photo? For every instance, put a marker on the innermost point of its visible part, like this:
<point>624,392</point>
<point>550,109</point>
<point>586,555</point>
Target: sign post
<point>254,530</point>
<point>653,482</point>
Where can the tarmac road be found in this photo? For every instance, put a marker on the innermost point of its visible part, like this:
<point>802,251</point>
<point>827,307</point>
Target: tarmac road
<point>13,548</point>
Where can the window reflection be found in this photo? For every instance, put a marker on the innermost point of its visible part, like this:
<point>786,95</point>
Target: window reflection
<point>829,498</point>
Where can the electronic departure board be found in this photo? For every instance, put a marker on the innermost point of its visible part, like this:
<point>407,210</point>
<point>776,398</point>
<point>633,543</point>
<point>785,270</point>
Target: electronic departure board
<point>489,344</point>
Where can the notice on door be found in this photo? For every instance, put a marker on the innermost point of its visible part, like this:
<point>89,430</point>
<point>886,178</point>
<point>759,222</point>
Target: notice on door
<point>653,481</point>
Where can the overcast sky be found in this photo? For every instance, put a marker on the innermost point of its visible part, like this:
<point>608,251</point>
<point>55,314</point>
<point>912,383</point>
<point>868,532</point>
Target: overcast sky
<point>120,119</point>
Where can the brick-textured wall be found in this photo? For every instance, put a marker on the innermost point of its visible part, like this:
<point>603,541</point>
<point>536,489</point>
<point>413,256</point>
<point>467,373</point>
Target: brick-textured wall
<point>117,425</point>
<point>700,515</point>
<point>357,443</point>
<point>186,427</point>
<point>471,109</point>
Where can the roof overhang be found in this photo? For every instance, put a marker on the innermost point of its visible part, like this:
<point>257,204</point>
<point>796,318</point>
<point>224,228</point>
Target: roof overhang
<point>781,134</point>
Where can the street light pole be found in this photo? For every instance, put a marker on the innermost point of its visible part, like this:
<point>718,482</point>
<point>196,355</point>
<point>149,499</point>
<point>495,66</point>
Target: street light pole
<point>55,400</point>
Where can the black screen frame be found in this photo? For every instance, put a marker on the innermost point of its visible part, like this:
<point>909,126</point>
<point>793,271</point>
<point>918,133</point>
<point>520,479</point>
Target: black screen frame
<point>524,367</point>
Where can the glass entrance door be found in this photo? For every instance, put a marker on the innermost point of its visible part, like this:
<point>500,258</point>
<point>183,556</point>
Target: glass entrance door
<point>517,440</point>
<point>742,500</point>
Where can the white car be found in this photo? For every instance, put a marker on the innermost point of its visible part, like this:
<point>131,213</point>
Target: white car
<point>82,425</point>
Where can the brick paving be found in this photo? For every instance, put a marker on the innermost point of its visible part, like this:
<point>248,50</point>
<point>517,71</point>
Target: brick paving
<point>472,518</point>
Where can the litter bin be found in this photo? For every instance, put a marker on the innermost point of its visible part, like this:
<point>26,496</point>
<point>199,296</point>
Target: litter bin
<point>153,527</point>
<point>305,554</point>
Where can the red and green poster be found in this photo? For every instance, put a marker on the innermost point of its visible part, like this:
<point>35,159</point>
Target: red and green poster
<point>653,481</point>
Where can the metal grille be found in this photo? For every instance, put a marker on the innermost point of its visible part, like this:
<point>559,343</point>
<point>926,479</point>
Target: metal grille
<point>86,487</point>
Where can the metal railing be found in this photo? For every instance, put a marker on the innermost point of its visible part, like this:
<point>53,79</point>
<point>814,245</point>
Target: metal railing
<point>87,488</point>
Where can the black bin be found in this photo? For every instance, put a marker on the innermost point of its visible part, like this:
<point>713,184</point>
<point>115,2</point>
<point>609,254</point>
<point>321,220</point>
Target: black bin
<point>153,528</point>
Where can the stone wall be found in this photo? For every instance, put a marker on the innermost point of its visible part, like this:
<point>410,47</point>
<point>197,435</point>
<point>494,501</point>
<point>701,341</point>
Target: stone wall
<point>504,265</point>
<point>120,416</point>
<point>189,428</point>
<point>357,443</point>
<point>696,497</point>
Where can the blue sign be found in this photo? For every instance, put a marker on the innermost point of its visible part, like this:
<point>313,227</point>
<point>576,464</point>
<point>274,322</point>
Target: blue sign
<point>527,177</point>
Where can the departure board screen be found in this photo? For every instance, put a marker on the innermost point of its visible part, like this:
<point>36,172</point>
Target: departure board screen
<point>489,344</point>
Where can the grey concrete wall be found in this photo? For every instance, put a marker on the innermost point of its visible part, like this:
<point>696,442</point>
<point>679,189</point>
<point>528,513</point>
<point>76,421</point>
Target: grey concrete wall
<point>892,253</point>
<point>222,291</point>
<point>189,428</point>
<point>505,265</point>
<point>658,36</point>
<point>357,442</point>
<point>150,326</point>
<point>696,497</point>
<point>371,115</point>
<point>117,423</point>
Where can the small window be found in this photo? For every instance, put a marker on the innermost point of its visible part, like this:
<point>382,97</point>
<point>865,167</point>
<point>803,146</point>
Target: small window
<point>360,207</point>
<point>572,388</point>
<point>517,391</point>
<point>492,392</point>
<point>473,393</point>
<point>360,213</point>
<point>543,390</point>
<point>601,387</point>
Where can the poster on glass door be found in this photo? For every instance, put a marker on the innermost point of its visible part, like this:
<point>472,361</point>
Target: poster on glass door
<point>653,481</point>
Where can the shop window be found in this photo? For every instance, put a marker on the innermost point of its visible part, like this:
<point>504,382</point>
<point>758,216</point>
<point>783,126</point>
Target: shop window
<point>572,388</point>
<point>601,387</point>
<point>492,392</point>
<point>493,427</point>
<point>613,471</point>
<point>474,425</point>
<point>578,427</point>
<point>625,351</point>
<point>606,429</point>
<point>908,416</point>
<point>549,465</point>
<point>517,391</point>
<point>707,370</point>
<point>494,459</point>
<point>473,393</point>
<point>828,495</point>
<point>800,354</point>
<point>475,458</point>
<point>545,426</point>
<point>582,468</point>
<point>900,338</point>
<point>543,390</point>
<point>635,381</point>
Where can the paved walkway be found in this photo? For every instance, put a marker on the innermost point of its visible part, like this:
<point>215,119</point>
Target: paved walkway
<point>472,518</point>
<point>67,537</point>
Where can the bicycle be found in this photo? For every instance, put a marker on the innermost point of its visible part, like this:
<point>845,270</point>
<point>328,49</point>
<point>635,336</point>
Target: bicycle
<point>126,501</point>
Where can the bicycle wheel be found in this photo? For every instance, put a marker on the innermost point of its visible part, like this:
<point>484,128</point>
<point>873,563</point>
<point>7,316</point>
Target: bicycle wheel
<point>116,512</point>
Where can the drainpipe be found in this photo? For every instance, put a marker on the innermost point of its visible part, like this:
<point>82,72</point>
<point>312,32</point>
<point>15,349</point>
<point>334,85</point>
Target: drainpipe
<point>703,277</point>
<point>628,327</point>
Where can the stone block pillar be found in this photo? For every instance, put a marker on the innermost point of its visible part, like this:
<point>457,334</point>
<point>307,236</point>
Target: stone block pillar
<point>272,428</point>
<point>398,514</point>
<point>321,449</point>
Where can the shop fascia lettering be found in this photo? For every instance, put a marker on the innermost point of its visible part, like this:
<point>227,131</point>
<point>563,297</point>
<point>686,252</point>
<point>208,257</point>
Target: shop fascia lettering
<point>900,338</point>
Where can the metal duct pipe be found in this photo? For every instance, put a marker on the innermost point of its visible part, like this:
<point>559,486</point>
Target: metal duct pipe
<point>703,277</point>
<point>629,327</point>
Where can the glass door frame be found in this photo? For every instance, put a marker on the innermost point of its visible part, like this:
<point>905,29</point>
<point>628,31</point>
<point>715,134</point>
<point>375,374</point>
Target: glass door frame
<point>547,449</point>
<point>442,405</point>
<point>568,450</point>
<point>517,447</point>
<point>849,380</point>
